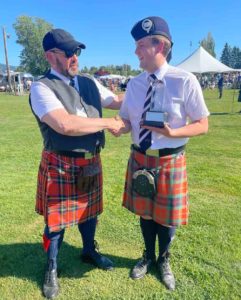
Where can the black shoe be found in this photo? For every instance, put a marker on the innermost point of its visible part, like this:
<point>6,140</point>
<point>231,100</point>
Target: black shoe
<point>142,267</point>
<point>167,276</point>
<point>51,286</point>
<point>98,260</point>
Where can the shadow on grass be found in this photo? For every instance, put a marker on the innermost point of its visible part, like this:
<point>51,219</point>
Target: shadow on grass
<point>28,261</point>
<point>224,113</point>
<point>219,113</point>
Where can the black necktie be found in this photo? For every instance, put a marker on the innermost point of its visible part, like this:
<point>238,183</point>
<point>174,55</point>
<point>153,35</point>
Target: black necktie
<point>145,134</point>
<point>72,82</point>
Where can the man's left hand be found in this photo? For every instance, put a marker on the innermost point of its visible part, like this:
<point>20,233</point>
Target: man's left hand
<point>166,130</point>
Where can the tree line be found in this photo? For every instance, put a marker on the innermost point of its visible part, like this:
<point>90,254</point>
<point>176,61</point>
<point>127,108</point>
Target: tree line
<point>31,30</point>
<point>123,70</point>
<point>231,56</point>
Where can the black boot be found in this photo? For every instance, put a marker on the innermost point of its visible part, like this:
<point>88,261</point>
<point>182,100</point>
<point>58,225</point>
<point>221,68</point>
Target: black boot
<point>50,286</point>
<point>52,244</point>
<point>90,252</point>
<point>165,237</point>
<point>95,258</point>
<point>149,232</point>
<point>142,267</point>
<point>167,276</point>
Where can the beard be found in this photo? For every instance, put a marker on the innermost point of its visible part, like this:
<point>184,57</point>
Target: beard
<point>71,71</point>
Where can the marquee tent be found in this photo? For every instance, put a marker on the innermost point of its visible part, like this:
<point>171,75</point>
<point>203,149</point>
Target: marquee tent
<point>200,61</point>
<point>112,76</point>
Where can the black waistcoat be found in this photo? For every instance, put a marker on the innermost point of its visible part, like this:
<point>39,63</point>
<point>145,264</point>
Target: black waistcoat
<point>89,98</point>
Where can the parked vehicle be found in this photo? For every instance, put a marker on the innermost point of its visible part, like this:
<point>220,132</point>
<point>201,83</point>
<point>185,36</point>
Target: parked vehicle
<point>4,86</point>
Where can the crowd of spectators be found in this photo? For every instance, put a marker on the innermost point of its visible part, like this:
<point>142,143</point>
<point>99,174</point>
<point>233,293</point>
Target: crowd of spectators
<point>115,84</point>
<point>207,81</point>
<point>210,81</point>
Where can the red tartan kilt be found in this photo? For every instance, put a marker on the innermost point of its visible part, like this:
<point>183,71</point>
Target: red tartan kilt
<point>170,205</point>
<point>58,198</point>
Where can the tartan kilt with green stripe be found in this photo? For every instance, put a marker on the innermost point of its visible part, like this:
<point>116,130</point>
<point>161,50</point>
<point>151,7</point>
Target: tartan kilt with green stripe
<point>58,198</point>
<point>170,204</point>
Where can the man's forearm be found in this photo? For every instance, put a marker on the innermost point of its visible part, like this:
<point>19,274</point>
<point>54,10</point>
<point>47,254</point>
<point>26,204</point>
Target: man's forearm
<point>73,125</point>
<point>194,129</point>
<point>117,101</point>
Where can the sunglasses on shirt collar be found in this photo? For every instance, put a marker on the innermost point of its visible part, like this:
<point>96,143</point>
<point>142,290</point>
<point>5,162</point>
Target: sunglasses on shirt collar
<point>67,53</point>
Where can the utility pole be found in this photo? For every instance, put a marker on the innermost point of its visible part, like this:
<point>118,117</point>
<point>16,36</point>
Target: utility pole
<point>6,58</point>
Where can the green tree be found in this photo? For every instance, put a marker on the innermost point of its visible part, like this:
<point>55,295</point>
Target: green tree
<point>92,70</point>
<point>209,44</point>
<point>85,70</point>
<point>19,69</point>
<point>231,56</point>
<point>235,58</point>
<point>226,55</point>
<point>124,70</point>
<point>238,62</point>
<point>30,32</point>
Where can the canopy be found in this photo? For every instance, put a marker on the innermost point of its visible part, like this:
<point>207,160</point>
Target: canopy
<point>112,76</point>
<point>200,61</point>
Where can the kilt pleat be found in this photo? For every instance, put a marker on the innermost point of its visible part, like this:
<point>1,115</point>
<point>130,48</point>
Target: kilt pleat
<point>58,199</point>
<point>170,204</point>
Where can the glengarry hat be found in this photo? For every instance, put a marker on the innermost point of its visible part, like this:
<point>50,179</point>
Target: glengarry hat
<point>151,26</point>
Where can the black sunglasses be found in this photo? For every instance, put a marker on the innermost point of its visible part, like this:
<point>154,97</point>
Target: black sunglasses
<point>67,53</point>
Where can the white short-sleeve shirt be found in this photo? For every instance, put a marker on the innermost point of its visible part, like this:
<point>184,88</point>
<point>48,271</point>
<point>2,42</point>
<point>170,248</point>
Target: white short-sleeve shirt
<point>43,99</point>
<point>182,100</point>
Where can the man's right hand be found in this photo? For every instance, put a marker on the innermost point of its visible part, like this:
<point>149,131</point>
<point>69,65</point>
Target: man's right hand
<point>120,126</point>
<point>116,126</point>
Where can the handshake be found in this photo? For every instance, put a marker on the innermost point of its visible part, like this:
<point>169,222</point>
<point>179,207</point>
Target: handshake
<point>117,126</point>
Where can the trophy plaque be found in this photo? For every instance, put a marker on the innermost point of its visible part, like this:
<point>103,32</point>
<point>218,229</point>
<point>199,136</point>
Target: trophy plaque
<point>156,116</point>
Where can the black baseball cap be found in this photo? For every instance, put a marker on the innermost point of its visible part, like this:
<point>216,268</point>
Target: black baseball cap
<point>151,26</point>
<point>61,39</point>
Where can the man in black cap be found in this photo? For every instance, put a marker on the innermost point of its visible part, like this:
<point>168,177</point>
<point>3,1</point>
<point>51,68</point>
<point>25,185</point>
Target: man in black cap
<point>67,107</point>
<point>157,107</point>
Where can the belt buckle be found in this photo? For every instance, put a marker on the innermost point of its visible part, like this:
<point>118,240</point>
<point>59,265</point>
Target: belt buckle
<point>151,152</point>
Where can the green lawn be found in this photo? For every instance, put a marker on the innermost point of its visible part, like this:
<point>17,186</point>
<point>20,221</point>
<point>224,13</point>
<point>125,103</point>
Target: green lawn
<point>206,254</point>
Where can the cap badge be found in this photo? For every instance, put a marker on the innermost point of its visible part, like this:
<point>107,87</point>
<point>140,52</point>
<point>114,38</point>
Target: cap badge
<point>146,25</point>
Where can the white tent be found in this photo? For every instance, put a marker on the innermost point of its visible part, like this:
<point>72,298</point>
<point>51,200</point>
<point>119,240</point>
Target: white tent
<point>200,61</point>
<point>112,76</point>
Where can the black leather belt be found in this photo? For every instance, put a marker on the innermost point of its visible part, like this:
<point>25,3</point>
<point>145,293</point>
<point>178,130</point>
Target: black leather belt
<point>159,152</point>
<point>86,155</point>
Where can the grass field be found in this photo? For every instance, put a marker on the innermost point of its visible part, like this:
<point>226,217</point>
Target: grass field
<point>206,254</point>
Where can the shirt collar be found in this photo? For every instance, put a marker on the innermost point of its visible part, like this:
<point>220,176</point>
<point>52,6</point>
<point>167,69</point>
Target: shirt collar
<point>160,72</point>
<point>62,77</point>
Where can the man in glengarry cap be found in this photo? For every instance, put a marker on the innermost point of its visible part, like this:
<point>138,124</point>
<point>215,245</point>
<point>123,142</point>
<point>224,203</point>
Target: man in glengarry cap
<point>156,179</point>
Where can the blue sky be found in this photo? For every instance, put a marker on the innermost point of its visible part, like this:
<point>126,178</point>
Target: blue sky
<point>104,26</point>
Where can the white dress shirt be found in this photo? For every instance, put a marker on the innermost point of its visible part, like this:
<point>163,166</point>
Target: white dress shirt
<point>182,100</point>
<point>43,99</point>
